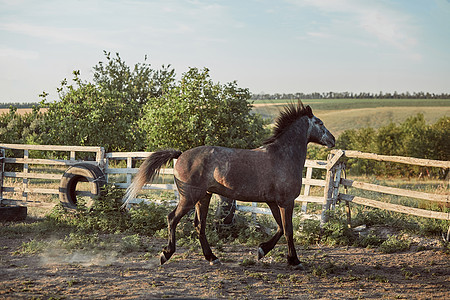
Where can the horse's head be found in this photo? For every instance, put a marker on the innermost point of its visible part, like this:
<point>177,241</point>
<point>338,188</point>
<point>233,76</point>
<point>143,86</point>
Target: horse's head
<point>317,132</point>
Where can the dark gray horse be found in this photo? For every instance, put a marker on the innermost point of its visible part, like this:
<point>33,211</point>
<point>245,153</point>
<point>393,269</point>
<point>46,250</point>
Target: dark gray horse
<point>270,174</point>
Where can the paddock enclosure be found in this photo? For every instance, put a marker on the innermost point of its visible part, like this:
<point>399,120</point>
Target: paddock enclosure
<point>77,172</point>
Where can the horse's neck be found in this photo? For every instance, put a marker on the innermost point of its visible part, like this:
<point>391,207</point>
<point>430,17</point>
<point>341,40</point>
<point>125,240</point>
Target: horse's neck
<point>292,145</point>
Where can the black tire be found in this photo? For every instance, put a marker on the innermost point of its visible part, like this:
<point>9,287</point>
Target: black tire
<point>13,213</point>
<point>82,172</point>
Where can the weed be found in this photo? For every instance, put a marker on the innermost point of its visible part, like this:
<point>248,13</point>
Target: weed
<point>407,274</point>
<point>394,244</point>
<point>131,243</point>
<point>71,282</point>
<point>76,240</point>
<point>148,218</point>
<point>369,240</point>
<point>248,262</point>
<point>31,247</point>
<point>319,271</point>
<point>278,254</point>
<point>257,275</point>
<point>281,278</point>
<point>335,232</point>
<point>378,278</point>
<point>324,269</point>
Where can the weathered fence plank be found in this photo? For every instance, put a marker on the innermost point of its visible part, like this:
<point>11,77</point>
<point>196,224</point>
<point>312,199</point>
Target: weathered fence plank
<point>394,191</point>
<point>398,159</point>
<point>33,175</point>
<point>51,147</point>
<point>42,161</point>
<point>395,207</point>
<point>134,171</point>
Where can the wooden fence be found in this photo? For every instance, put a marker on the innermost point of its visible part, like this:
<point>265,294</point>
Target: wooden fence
<point>109,164</point>
<point>439,198</point>
<point>113,169</point>
<point>26,175</point>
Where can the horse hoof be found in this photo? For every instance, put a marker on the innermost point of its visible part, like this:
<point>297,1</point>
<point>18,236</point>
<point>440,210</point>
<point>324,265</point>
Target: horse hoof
<point>261,253</point>
<point>163,258</point>
<point>215,262</point>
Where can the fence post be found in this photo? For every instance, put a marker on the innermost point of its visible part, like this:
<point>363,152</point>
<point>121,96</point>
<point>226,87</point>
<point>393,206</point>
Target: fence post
<point>307,189</point>
<point>330,184</point>
<point>328,194</point>
<point>2,169</point>
<point>25,178</point>
<point>100,158</point>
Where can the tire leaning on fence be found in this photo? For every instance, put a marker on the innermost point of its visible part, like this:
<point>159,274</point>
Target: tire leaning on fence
<point>82,172</point>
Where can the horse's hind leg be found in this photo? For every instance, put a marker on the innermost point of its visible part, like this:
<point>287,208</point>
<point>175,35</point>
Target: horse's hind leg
<point>183,207</point>
<point>265,247</point>
<point>200,225</point>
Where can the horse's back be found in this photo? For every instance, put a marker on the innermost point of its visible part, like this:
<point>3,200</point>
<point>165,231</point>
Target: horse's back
<point>241,174</point>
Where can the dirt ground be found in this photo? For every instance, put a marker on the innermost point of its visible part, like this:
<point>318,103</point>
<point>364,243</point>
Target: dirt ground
<point>343,272</point>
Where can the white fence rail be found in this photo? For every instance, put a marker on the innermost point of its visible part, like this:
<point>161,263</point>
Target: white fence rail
<point>23,156</point>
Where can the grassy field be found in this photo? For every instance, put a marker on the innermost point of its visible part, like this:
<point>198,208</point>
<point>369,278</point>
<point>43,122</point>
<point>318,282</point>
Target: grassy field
<point>343,114</point>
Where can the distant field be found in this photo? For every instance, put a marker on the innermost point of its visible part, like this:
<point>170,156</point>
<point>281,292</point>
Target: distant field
<point>342,114</point>
<point>21,111</point>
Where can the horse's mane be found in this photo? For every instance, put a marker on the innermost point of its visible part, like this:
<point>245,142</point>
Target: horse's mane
<point>289,115</point>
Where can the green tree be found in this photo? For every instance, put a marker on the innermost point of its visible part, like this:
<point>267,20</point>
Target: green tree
<point>105,112</point>
<point>86,115</point>
<point>18,128</point>
<point>197,111</point>
<point>438,137</point>
<point>135,85</point>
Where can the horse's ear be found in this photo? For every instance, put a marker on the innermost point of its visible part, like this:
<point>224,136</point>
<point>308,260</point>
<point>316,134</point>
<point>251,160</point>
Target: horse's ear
<point>309,111</point>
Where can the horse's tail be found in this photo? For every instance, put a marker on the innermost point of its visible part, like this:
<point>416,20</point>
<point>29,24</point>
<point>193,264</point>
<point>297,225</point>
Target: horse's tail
<point>147,172</point>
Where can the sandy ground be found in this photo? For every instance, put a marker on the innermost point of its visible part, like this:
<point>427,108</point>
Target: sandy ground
<point>330,273</point>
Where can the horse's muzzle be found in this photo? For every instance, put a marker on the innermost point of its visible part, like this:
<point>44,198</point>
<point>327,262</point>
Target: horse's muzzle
<point>330,141</point>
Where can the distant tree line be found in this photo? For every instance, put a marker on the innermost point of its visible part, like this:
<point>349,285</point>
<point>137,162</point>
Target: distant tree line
<point>18,105</point>
<point>351,95</point>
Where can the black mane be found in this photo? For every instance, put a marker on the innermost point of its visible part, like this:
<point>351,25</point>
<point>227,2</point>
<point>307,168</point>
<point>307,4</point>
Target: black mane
<point>289,115</point>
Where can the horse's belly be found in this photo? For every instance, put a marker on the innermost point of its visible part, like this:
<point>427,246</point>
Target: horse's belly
<point>257,193</point>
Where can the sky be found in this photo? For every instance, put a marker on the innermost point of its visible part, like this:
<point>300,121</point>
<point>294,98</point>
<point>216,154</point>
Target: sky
<point>267,46</point>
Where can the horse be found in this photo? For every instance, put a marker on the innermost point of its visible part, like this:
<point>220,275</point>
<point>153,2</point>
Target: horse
<point>271,173</point>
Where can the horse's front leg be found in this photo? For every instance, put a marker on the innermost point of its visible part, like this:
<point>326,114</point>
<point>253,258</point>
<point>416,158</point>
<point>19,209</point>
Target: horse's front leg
<point>286,218</point>
<point>201,209</point>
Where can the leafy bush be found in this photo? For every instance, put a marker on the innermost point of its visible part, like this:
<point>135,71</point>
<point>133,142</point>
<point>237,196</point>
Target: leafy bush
<point>86,115</point>
<point>199,112</point>
<point>131,243</point>
<point>370,240</point>
<point>107,215</point>
<point>334,233</point>
<point>413,138</point>
<point>18,128</point>
<point>148,218</point>
<point>394,244</point>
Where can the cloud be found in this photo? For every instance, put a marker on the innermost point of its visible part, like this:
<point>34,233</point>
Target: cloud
<point>374,19</point>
